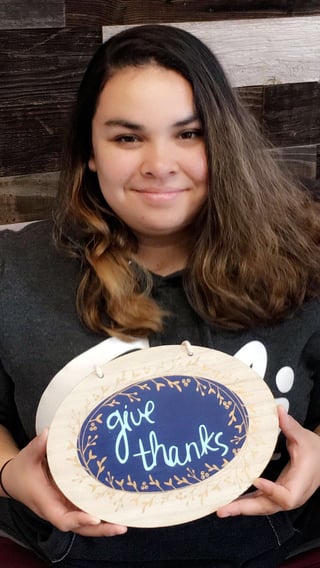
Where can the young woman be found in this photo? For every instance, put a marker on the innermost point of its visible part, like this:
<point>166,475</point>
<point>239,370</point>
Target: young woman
<point>173,222</point>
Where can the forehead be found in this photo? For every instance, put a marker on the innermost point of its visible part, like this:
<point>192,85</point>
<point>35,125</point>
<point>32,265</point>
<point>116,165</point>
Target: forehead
<point>146,88</point>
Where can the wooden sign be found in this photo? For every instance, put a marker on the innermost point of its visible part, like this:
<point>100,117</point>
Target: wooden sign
<point>162,436</point>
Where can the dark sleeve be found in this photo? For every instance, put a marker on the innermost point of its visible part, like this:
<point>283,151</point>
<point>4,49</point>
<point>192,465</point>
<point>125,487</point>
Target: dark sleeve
<point>8,411</point>
<point>312,355</point>
<point>6,400</point>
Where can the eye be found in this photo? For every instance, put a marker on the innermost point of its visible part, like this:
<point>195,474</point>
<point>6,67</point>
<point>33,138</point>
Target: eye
<point>127,139</point>
<point>191,134</point>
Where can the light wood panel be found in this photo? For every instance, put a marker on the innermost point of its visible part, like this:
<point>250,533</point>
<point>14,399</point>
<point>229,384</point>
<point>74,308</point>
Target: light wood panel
<point>255,52</point>
<point>301,161</point>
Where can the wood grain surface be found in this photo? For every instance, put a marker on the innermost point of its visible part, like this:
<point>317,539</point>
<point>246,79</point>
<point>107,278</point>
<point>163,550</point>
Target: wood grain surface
<point>102,12</point>
<point>286,50</point>
<point>16,14</point>
<point>45,47</point>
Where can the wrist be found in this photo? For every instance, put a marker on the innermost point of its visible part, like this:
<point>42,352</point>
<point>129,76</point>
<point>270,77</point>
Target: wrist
<point>2,485</point>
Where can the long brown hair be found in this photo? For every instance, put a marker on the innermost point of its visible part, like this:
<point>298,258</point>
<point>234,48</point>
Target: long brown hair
<point>256,243</point>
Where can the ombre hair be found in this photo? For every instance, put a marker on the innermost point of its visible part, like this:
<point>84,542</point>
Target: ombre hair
<point>255,256</point>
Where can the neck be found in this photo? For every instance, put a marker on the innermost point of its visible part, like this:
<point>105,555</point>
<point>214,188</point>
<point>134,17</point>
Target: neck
<point>163,257</point>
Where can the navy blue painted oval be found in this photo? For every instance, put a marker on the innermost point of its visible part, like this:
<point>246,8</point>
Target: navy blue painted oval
<point>162,434</point>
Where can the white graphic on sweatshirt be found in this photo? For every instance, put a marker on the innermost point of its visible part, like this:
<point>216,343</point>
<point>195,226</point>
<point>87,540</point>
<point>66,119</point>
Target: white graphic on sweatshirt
<point>254,354</point>
<point>284,382</point>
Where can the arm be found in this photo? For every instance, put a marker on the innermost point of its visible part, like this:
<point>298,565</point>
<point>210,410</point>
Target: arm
<point>8,447</point>
<point>8,450</point>
<point>296,483</point>
<point>26,478</point>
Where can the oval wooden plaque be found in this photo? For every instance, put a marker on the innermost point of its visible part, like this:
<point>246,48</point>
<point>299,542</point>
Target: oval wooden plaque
<point>162,436</point>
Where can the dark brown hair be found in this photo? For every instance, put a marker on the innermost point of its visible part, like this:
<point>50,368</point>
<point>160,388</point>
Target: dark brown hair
<point>256,243</point>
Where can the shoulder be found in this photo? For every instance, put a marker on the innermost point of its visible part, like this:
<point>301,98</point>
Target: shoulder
<point>37,231</point>
<point>30,250</point>
<point>305,326</point>
<point>309,312</point>
<point>293,333</point>
<point>27,246</point>
<point>305,320</point>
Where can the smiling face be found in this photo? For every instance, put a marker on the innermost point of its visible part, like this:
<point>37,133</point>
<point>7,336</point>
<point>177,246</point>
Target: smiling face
<point>148,151</point>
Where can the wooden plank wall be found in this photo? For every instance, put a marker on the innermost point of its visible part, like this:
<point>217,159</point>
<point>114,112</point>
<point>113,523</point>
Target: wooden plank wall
<point>45,47</point>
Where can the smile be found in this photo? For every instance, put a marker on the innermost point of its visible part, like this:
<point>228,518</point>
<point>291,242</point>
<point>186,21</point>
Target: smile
<point>159,195</point>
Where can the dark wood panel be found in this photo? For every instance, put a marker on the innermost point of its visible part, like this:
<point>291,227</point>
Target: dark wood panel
<point>252,97</point>
<point>31,137</point>
<point>24,208</point>
<point>50,42</point>
<point>291,114</point>
<point>314,185</point>
<point>16,14</point>
<point>306,6</point>
<point>27,198</point>
<point>40,74</point>
<point>107,12</point>
<point>41,65</point>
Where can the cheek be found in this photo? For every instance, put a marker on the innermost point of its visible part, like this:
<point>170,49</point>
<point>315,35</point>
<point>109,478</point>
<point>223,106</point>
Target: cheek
<point>198,168</point>
<point>115,169</point>
<point>113,178</point>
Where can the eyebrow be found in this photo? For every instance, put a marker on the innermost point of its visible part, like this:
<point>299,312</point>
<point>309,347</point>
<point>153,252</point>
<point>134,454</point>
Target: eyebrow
<point>133,126</point>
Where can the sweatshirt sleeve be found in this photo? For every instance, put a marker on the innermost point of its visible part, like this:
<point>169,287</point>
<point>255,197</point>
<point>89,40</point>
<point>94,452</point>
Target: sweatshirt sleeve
<point>6,400</point>
<point>312,354</point>
<point>8,411</point>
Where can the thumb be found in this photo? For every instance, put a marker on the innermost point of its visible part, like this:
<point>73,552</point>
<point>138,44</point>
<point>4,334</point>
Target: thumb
<point>288,425</point>
<point>37,447</point>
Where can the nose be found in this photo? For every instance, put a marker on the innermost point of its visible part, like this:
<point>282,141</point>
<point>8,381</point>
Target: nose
<point>159,161</point>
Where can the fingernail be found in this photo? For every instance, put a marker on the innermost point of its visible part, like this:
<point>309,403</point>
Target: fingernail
<point>224,515</point>
<point>120,530</point>
<point>94,521</point>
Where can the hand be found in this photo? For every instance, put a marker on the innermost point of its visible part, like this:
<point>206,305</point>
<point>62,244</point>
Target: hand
<point>297,481</point>
<point>27,479</point>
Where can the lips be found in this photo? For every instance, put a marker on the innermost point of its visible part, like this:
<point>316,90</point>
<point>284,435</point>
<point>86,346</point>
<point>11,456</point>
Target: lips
<point>159,190</point>
<point>159,195</point>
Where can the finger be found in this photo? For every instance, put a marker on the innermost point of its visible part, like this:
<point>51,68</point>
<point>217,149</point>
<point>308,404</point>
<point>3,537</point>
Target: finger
<point>87,525</point>
<point>103,529</point>
<point>249,505</point>
<point>277,493</point>
<point>246,507</point>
